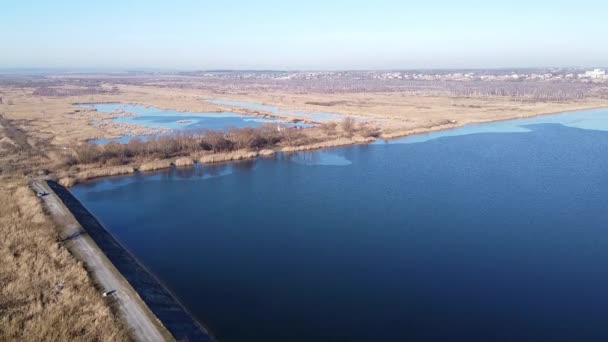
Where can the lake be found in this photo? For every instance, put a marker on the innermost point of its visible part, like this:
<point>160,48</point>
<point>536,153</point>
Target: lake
<point>486,232</point>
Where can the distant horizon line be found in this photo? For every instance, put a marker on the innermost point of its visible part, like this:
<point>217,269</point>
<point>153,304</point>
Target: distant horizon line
<point>185,70</point>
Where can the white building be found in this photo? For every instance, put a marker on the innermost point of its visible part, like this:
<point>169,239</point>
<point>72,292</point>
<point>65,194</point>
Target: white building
<point>595,73</point>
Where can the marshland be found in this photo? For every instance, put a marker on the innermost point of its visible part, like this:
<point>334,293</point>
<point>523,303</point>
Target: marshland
<point>303,171</point>
<point>47,133</point>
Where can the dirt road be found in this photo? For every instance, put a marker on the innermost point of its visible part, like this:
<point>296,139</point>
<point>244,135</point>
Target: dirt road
<point>143,325</point>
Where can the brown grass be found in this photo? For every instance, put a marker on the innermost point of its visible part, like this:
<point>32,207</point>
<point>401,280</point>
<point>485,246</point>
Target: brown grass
<point>108,171</point>
<point>45,294</point>
<point>330,143</point>
<point>67,181</point>
<point>266,152</point>
<point>70,180</point>
<point>184,161</point>
<point>157,164</point>
<point>227,156</point>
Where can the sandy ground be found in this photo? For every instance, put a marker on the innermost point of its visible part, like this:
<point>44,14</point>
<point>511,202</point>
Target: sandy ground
<point>142,323</point>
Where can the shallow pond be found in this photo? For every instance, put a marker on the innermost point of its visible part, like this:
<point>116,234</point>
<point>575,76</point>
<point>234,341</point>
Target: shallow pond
<point>152,117</point>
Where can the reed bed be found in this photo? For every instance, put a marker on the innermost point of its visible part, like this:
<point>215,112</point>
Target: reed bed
<point>228,156</point>
<point>155,165</point>
<point>184,161</point>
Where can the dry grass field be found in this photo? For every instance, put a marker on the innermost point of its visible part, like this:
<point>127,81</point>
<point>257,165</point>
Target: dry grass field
<point>61,122</point>
<point>43,127</point>
<point>45,294</point>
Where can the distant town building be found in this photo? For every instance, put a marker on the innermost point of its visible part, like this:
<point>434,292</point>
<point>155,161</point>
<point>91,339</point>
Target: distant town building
<point>595,73</point>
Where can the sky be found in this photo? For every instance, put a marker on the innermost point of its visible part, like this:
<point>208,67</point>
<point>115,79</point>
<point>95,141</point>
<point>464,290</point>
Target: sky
<point>303,35</point>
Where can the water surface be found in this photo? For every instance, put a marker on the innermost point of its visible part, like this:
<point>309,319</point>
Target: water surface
<point>497,233</point>
<point>152,117</point>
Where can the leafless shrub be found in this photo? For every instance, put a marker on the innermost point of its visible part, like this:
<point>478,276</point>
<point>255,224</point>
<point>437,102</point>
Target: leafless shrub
<point>367,131</point>
<point>216,141</point>
<point>329,128</point>
<point>87,153</point>
<point>254,138</point>
<point>348,125</point>
<point>293,137</point>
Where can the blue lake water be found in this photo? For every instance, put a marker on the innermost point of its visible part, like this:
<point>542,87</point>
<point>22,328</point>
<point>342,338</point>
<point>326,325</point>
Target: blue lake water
<point>152,117</point>
<point>494,232</point>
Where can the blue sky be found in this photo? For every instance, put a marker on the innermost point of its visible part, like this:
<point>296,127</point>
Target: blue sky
<point>312,34</point>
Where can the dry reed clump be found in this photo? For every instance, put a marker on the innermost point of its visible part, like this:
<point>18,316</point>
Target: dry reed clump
<point>155,165</point>
<point>331,143</point>
<point>71,180</point>
<point>67,181</point>
<point>267,152</point>
<point>184,161</point>
<point>45,294</point>
<point>227,156</point>
<point>106,171</point>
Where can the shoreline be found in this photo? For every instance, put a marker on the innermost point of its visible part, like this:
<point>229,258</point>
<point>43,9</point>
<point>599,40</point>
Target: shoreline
<point>439,128</point>
<point>222,109</point>
<point>122,170</point>
<point>144,303</point>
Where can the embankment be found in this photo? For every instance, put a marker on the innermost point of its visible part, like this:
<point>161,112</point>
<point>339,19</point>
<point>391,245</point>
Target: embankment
<point>158,299</point>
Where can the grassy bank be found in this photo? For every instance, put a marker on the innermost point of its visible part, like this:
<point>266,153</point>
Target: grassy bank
<point>45,293</point>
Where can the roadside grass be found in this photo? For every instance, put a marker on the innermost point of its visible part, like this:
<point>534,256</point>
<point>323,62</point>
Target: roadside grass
<point>45,293</point>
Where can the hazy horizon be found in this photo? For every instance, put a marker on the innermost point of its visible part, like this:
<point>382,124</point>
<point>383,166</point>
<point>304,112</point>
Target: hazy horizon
<point>274,35</point>
<point>93,70</point>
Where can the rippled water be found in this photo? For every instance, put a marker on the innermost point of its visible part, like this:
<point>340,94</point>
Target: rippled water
<point>494,232</point>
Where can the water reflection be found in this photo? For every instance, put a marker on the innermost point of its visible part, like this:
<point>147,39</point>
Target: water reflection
<point>244,165</point>
<point>188,172</point>
<point>319,158</point>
